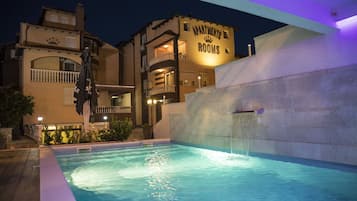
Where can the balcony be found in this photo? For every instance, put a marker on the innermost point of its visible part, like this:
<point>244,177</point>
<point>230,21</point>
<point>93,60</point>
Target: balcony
<point>162,58</point>
<point>162,90</point>
<point>53,76</point>
<point>113,109</point>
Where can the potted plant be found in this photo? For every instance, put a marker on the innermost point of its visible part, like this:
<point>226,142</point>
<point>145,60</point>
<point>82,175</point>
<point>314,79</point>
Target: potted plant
<point>13,106</point>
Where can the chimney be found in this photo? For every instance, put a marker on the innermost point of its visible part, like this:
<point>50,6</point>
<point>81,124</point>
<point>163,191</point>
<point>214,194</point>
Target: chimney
<point>80,17</point>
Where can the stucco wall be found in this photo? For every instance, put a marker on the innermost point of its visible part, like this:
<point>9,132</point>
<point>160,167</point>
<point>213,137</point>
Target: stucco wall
<point>310,115</point>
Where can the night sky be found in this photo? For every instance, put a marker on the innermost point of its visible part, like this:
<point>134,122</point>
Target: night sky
<point>116,20</point>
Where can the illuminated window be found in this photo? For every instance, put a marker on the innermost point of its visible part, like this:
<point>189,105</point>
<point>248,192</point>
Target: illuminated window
<point>186,26</point>
<point>225,34</point>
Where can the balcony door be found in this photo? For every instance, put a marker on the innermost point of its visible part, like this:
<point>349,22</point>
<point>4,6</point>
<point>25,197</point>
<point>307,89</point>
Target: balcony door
<point>169,80</point>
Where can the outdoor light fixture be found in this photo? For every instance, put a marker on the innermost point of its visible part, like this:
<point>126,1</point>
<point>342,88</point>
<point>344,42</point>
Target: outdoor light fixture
<point>199,81</point>
<point>347,22</point>
<point>40,119</point>
<point>149,101</point>
<point>105,118</point>
<point>166,46</point>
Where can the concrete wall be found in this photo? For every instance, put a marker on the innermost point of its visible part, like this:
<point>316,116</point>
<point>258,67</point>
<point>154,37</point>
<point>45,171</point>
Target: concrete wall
<point>281,37</point>
<point>317,53</point>
<point>162,128</point>
<point>310,115</point>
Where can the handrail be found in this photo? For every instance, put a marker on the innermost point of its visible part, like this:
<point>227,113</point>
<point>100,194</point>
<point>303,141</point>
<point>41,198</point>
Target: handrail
<point>163,57</point>
<point>53,76</point>
<point>113,109</point>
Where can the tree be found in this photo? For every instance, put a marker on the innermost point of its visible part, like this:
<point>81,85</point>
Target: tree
<point>13,106</point>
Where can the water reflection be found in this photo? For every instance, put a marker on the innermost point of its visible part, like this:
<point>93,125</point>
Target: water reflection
<point>159,181</point>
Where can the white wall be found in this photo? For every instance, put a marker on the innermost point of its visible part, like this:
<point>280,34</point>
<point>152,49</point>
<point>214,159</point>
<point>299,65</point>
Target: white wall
<point>162,128</point>
<point>317,53</point>
<point>281,37</point>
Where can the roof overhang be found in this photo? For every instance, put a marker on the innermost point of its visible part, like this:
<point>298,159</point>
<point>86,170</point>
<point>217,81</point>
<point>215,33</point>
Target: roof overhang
<point>316,15</point>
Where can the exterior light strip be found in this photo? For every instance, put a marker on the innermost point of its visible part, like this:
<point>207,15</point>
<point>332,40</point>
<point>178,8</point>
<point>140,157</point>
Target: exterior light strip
<point>347,22</point>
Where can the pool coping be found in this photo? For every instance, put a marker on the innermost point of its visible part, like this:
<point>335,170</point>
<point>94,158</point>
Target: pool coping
<point>53,185</point>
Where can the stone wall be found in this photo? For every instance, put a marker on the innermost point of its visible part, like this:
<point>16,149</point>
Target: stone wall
<point>309,115</point>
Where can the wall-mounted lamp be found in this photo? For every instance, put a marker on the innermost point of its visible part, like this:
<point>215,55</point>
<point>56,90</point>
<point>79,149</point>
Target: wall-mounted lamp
<point>105,118</point>
<point>199,81</point>
<point>40,119</point>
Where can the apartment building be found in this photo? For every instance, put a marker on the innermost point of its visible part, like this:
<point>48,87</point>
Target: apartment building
<point>172,57</point>
<point>50,64</point>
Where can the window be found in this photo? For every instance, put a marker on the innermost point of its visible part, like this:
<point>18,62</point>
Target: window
<point>143,39</point>
<point>52,17</point>
<point>227,51</point>
<point>145,87</point>
<point>92,45</point>
<point>186,26</point>
<point>64,19</point>
<point>225,34</point>
<point>143,62</point>
<point>68,66</point>
<point>70,42</point>
<point>181,48</point>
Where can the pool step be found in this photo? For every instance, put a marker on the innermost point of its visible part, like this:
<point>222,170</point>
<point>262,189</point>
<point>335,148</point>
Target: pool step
<point>131,153</point>
<point>84,150</point>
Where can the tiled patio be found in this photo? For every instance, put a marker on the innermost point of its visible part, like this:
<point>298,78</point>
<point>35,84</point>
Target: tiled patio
<point>19,174</point>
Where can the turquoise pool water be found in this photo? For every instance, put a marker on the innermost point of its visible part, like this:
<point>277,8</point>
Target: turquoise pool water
<point>176,172</point>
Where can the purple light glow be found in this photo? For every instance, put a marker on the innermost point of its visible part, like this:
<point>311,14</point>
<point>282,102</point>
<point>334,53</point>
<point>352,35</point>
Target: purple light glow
<point>347,22</point>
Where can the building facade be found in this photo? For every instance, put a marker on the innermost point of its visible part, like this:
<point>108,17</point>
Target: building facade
<point>51,62</point>
<point>170,58</point>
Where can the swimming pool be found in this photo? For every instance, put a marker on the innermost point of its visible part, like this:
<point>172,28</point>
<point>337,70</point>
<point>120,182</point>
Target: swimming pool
<point>177,172</point>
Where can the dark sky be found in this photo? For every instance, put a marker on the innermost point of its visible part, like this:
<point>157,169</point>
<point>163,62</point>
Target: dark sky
<point>116,20</point>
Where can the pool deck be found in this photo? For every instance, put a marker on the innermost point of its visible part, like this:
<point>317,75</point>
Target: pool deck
<point>19,174</point>
<point>21,178</point>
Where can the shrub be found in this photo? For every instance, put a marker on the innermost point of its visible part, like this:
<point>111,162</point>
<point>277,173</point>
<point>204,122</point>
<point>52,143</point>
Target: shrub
<point>119,130</point>
<point>13,106</point>
<point>89,136</point>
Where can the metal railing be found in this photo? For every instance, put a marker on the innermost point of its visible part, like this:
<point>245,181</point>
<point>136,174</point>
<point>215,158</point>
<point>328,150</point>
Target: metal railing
<point>164,57</point>
<point>53,76</point>
<point>160,90</point>
<point>113,109</point>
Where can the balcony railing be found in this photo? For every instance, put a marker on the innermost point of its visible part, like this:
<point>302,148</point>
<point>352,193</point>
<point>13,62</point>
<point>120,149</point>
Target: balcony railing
<point>164,57</point>
<point>161,90</point>
<point>113,109</point>
<point>53,76</point>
